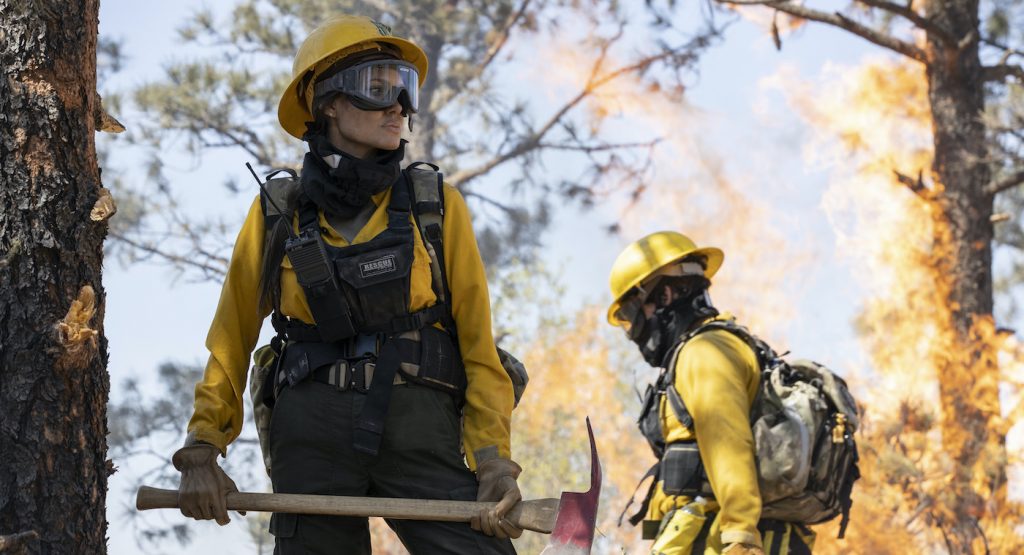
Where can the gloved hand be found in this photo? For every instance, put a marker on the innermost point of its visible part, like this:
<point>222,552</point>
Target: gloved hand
<point>497,479</point>
<point>742,549</point>
<point>204,485</point>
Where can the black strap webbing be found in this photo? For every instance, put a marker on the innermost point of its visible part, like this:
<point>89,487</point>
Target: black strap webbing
<point>639,515</point>
<point>297,330</point>
<point>369,429</point>
<point>675,401</point>
<point>701,542</point>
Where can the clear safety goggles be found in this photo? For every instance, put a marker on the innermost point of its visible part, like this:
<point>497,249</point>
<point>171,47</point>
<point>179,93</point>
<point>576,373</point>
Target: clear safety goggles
<point>375,85</point>
<point>631,309</point>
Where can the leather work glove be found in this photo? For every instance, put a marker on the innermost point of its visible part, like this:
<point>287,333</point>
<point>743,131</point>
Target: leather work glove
<point>742,549</point>
<point>204,485</point>
<point>497,479</point>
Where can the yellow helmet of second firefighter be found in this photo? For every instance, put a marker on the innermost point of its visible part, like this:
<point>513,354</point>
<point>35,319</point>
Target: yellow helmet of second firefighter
<point>645,257</point>
<point>337,38</point>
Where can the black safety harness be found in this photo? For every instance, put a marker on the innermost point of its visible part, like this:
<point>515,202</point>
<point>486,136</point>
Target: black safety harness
<point>679,467</point>
<point>365,336</point>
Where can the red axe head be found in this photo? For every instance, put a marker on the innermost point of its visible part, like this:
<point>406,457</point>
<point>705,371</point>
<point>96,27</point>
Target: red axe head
<point>577,513</point>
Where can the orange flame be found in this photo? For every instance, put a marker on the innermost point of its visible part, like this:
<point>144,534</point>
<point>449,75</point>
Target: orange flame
<point>867,122</point>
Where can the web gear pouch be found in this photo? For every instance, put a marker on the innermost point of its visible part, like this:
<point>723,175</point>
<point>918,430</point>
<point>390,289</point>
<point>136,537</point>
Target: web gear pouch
<point>261,385</point>
<point>682,472</point>
<point>375,277</point>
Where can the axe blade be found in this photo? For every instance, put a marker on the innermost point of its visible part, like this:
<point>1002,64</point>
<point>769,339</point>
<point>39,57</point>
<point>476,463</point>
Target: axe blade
<point>577,513</point>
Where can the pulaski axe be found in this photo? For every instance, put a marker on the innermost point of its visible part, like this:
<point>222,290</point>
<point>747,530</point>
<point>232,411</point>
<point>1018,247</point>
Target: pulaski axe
<point>570,519</point>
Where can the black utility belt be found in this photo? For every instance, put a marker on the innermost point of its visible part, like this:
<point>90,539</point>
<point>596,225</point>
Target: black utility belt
<point>427,356</point>
<point>348,375</point>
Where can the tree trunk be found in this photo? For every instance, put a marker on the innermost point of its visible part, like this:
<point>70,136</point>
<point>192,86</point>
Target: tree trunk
<point>53,378</point>
<point>423,140</point>
<point>968,372</point>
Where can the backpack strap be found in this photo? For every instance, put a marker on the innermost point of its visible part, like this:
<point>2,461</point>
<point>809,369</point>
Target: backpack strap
<point>279,199</point>
<point>645,503</point>
<point>427,185</point>
<point>764,354</point>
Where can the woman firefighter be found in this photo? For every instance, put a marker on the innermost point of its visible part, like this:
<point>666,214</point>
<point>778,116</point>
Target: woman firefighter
<point>382,317</point>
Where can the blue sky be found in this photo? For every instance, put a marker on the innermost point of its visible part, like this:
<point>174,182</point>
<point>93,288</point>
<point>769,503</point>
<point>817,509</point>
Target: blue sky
<point>150,318</point>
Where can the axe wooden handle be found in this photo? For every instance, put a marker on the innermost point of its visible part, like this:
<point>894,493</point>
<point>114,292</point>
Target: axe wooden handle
<point>537,515</point>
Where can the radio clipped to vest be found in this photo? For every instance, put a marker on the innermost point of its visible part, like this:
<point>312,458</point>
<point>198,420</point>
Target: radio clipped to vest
<point>315,273</point>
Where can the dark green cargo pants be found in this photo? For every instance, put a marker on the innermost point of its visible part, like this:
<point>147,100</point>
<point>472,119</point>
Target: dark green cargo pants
<point>311,450</point>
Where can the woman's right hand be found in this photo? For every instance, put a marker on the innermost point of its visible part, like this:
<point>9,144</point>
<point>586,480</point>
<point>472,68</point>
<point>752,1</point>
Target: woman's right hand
<point>204,485</point>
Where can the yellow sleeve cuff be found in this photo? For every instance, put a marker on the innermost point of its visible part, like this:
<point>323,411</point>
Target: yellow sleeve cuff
<point>739,536</point>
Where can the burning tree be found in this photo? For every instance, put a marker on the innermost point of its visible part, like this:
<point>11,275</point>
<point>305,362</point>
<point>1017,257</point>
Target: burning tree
<point>960,489</point>
<point>53,382</point>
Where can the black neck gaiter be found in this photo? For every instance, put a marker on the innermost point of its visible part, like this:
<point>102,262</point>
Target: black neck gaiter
<point>668,325</point>
<point>344,190</point>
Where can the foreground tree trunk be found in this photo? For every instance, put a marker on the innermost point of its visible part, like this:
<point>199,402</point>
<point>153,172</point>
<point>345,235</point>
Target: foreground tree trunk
<point>53,378</point>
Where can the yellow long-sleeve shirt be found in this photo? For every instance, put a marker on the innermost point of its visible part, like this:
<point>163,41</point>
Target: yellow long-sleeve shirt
<point>717,375</point>
<point>218,414</point>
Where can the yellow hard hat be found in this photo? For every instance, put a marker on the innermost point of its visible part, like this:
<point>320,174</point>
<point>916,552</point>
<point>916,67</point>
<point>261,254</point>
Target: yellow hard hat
<point>335,39</point>
<point>643,258</point>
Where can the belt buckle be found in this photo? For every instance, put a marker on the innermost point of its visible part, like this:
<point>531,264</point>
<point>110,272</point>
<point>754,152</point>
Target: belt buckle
<point>366,345</point>
<point>362,375</point>
<point>339,375</point>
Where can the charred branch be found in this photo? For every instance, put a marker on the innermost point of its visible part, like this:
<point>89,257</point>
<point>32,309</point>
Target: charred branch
<point>916,186</point>
<point>1000,72</point>
<point>776,39</point>
<point>837,19</point>
<point>910,14</point>
<point>1006,183</point>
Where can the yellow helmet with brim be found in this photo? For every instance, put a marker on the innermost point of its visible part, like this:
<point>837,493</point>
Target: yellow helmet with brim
<point>645,257</point>
<point>334,40</point>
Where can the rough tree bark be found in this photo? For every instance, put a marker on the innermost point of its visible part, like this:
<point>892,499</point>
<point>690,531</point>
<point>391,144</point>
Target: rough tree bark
<point>53,378</point>
<point>968,374</point>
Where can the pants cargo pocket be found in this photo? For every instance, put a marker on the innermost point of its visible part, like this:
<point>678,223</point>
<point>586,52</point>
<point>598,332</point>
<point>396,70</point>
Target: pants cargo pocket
<point>680,530</point>
<point>282,525</point>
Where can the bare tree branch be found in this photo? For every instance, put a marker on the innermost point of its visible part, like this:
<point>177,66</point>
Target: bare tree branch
<point>502,40</point>
<point>910,14</point>
<point>598,147</point>
<point>837,19</point>
<point>532,141</point>
<point>488,200</point>
<point>208,270</point>
<point>1001,72</point>
<point>1007,50</point>
<point>1006,183</point>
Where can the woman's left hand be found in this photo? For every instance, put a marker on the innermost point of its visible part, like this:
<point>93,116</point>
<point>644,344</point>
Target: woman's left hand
<point>497,479</point>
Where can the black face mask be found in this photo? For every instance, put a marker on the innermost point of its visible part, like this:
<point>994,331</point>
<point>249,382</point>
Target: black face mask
<point>656,335</point>
<point>345,189</point>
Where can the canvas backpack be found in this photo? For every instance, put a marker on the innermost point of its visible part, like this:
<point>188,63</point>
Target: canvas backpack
<point>803,421</point>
